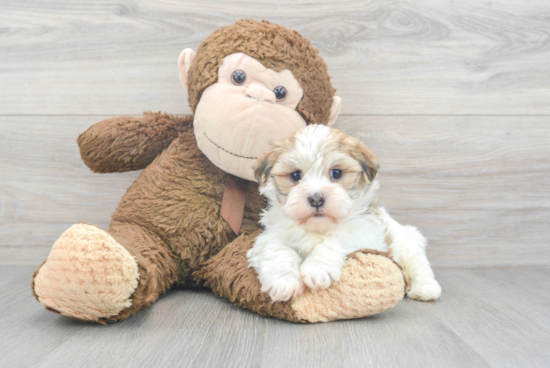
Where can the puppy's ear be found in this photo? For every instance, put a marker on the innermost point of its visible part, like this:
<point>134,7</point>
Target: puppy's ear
<point>367,159</point>
<point>264,165</point>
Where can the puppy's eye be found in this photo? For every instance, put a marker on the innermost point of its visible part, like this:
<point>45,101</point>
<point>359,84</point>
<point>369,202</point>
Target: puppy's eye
<point>296,176</point>
<point>238,77</point>
<point>335,173</point>
<point>280,93</point>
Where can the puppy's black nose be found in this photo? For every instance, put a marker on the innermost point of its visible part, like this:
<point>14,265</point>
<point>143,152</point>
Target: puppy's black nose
<point>317,200</point>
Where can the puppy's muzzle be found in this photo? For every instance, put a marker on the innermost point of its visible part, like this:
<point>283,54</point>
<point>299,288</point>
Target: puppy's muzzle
<point>316,201</point>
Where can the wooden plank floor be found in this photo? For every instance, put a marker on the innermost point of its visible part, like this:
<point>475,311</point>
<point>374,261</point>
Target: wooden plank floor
<point>485,318</point>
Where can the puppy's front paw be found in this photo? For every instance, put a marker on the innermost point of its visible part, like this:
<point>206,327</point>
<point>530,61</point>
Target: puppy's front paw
<point>283,287</point>
<point>424,289</point>
<point>319,275</point>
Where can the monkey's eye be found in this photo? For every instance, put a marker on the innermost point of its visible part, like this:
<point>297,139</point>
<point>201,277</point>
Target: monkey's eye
<point>296,176</point>
<point>336,173</point>
<point>238,77</point>
<point>280,93</point>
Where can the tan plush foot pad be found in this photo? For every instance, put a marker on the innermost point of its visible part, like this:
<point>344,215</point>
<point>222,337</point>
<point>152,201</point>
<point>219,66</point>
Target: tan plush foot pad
<point>88,275</point>
<point>370,284</point>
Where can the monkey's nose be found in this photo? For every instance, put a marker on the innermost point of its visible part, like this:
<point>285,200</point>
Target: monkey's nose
<point>260,93</point>
<point>317,200</point>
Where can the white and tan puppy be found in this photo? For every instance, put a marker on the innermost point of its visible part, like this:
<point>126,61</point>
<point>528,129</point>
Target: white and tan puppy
<point>320,186</point>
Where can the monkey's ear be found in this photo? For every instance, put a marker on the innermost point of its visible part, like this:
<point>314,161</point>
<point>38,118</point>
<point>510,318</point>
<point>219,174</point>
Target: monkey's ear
<point>367,159</point>
<point>334,110</point>
<point>184,63</point>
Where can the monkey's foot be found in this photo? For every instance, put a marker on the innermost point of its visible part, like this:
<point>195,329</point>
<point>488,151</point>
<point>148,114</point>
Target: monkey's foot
<point>88,275</point>
<point>370,283</point>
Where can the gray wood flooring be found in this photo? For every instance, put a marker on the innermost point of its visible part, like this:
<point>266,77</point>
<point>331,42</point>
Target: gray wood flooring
<point>485,318</point>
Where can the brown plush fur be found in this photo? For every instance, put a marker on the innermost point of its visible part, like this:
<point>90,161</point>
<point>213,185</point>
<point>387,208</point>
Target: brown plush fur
<point>178,199</point>
<point>228,276</point>
<point>169,219</point>
<point>134,141</point>
<point>277,48</point>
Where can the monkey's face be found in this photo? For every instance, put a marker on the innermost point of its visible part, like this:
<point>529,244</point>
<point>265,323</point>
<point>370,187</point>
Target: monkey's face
<point>247,108</point>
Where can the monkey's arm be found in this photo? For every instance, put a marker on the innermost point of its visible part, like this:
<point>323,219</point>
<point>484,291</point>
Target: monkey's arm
<point>127,143</point>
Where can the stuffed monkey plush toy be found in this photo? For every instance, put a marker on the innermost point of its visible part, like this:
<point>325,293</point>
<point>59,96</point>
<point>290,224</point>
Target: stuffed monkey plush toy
<point>191,216</point>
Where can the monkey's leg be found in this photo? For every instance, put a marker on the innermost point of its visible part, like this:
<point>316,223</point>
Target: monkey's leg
<point>104,276</point>
<point>370,283</point>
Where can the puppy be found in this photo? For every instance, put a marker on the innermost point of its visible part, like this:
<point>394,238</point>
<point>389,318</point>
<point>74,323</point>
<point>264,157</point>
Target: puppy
<point>321,191</point>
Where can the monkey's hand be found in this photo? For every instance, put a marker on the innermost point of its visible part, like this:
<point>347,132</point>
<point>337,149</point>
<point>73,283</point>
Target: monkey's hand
<point>129,143</point>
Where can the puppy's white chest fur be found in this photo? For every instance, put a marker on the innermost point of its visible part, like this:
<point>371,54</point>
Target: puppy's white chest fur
<point>364,232</point>
<point>288,257</point>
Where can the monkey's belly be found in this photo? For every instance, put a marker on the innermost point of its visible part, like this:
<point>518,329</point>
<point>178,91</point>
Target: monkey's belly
<point>178,197</point>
